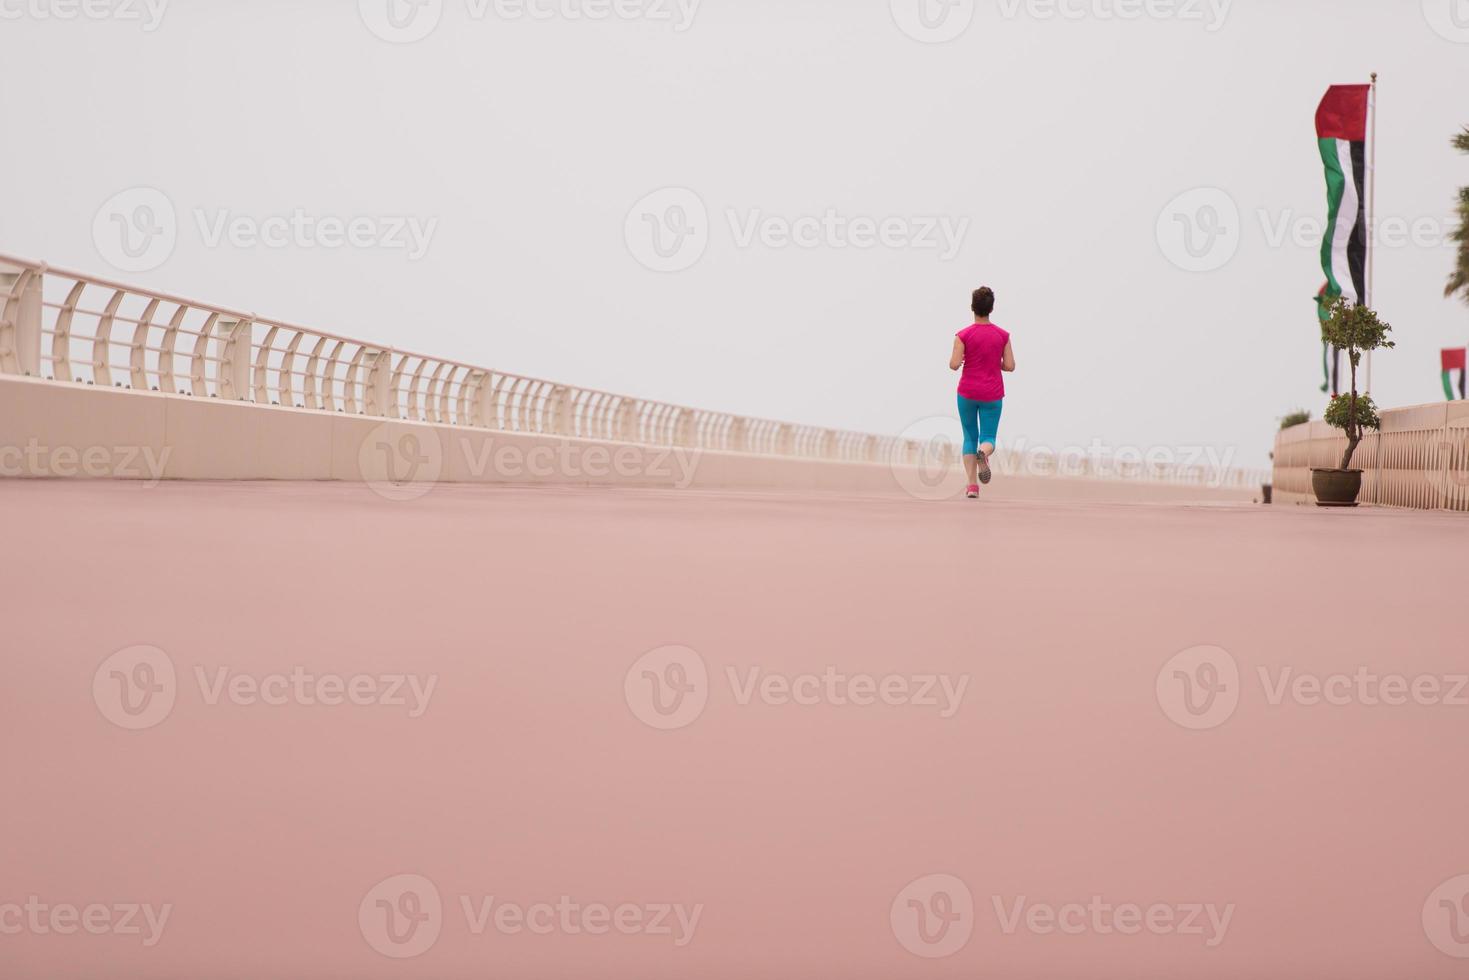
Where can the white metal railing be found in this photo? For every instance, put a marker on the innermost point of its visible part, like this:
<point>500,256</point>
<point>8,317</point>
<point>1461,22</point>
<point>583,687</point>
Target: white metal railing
<point>68,326</point>
<point>71,327</point>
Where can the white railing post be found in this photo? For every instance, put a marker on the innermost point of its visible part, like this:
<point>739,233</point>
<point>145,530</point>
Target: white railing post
<point>627,421</point>
<point>683,430</point>
<point>739,436</point>
<point>829,445</point>
<point>20,320</point>
<point>232,346</point>
<point>1445,453</point>
<point>561,410</point>
<point>28,326</point>
<point>379,388</point>
<point>479,405</point>
<point>785,441</point>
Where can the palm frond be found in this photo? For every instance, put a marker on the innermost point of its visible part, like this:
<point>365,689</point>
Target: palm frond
<point>1459,280</point>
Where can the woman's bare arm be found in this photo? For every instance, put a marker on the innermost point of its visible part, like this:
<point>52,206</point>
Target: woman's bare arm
<point>1008,364</point>
<point>956,359</point>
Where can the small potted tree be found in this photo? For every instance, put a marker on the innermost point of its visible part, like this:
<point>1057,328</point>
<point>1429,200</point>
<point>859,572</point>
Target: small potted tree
<point>1356,330</point>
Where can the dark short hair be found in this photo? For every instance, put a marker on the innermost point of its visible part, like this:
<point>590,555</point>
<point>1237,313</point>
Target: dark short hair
<point>984,301</point>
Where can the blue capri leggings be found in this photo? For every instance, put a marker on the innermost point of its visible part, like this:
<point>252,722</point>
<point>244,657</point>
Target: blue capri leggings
<point>981,421</point>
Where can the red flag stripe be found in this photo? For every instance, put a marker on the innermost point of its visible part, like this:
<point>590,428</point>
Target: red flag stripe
<point>1343,113</point>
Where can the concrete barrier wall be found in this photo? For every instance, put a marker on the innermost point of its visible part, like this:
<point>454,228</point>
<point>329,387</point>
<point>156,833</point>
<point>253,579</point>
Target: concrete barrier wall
<point>1419,460</point>
<point>67,431</point>
<point>56,430</point>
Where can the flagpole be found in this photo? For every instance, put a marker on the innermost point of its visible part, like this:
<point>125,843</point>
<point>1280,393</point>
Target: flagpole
<point>1372,263</point>
<point>1371,212</point>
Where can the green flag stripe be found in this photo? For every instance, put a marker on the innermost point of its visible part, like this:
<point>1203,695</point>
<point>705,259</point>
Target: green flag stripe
<point>1336,188</point>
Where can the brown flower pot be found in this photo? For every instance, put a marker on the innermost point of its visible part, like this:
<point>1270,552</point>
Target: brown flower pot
<point>1336,488</point>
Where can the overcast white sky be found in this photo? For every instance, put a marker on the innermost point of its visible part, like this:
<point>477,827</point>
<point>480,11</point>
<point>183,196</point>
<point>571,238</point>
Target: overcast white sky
<point>1053,135</point>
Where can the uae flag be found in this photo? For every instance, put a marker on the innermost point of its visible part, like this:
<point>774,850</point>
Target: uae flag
<point>1341,130</point>
<point>1455,360</point>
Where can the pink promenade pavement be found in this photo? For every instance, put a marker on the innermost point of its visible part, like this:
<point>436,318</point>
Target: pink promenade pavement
<point>649,734</point>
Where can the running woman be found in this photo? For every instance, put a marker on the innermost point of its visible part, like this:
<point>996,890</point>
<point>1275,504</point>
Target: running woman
<point>983,350</point>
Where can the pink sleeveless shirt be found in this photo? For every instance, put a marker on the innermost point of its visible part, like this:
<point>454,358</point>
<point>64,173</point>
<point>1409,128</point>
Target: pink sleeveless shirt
<point>984,352</point>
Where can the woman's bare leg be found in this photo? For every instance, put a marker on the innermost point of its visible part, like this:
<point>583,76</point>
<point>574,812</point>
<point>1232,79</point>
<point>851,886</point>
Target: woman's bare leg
<point>971,470</point>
